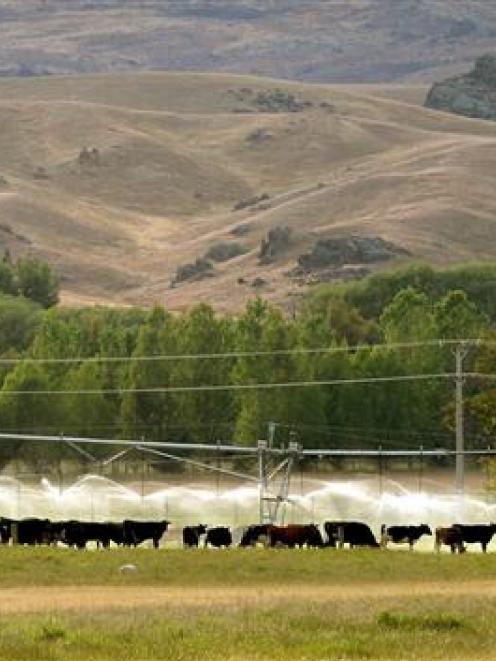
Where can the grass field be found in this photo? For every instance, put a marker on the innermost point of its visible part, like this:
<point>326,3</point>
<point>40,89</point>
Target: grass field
<point>246,604</point>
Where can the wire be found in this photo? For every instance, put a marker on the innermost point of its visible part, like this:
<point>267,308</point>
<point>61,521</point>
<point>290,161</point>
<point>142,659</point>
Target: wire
<point>238,386</point>
<point>244,354</point>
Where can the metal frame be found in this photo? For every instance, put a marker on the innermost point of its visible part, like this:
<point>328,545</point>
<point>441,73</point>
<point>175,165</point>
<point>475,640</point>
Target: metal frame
<point>275,464</point>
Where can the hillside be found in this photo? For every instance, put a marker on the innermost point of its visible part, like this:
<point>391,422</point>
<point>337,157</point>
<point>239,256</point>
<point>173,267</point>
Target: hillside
<point>177,152</point>
<point>338,41</point>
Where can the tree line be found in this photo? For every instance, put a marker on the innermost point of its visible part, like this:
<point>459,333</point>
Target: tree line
<point>416,304</point>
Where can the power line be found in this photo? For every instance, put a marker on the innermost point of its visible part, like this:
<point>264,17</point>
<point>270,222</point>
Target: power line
<point>240,386</point>
<point>246,354</point>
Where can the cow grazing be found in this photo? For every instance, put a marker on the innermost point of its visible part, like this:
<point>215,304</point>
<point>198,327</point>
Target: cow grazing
<point>451,537</point>
<point>32,531</point>
<point>77,534</point>
<point>403,534</point>
<point>256,534</point>
<point>296,535</point>
<point>136,532</point>
<point>6,529</point>
<point>353,533</point>
<point>192,534</point>
<point>477,534</point>
<point>218,537</point>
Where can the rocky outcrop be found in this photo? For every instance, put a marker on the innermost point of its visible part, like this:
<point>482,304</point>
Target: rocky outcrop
<point>274,244</point>
<point>472,94</point>
<point>268,101</point>
<point>193,272</point>
<point>89,157</point>
<point>251,201</point>
<point>223,252</point>
<point>339,251</point>
<point>343,258</point>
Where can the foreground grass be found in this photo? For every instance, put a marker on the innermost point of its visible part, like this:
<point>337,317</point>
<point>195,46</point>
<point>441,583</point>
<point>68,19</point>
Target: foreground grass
<point>398,630</point>
<point>370,625</point>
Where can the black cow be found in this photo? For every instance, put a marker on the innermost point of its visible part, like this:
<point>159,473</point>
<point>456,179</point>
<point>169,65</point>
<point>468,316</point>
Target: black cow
<point>296,535</point>
<point>477,534</point>
<point>451,537</point>
<point>253,535</point>
<point>32,531</point>
<point>6,529</point>
<point>78,533</point>
<point>353,533</point>
<point>403,534</point>
<point>192,534</point>
<point>136,532</point>
<point>218,537</point>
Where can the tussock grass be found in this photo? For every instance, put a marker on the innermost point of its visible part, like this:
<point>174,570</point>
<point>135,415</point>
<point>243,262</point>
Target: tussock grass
<point>298,632</point>
<point>434,622</point>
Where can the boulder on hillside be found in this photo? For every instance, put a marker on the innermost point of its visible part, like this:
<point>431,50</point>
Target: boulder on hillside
<point>197,270</point>
<point>472,94</point>
<point>222,252</point>
<point>241,230</point>
<point>273,100</point>
<point>250,201</point>
<point>89,157</point>
<point>339,251</point>
<point>274,244</point>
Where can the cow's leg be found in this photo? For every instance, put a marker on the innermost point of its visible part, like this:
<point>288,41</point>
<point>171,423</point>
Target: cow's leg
<point>484,547</point>
<point>155,543</point>
<point>453,547</point>
<point>410,543</point>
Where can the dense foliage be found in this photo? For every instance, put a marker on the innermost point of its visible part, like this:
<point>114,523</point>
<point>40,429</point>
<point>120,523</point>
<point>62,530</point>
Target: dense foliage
<point>29,278</point>
<point>113,397</point>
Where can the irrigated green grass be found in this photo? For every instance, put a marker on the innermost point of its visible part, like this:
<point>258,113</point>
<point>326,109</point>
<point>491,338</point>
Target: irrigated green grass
<point>410,622</point>
<point>42,566</point>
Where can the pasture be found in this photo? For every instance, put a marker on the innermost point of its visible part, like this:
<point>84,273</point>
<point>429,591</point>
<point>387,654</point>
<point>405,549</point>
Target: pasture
<point>246,604</point>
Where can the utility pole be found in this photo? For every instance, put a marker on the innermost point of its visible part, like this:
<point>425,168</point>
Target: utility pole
<point>262,482</point>
<point>271,433</point>
<point>460,353</point>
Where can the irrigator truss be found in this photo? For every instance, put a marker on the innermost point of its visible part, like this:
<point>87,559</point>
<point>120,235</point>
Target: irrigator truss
<point>275,465</point>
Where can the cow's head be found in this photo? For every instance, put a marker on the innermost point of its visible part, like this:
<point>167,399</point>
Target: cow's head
<point>201,528</point>
<point>493,527</point>
<point>425,529</point>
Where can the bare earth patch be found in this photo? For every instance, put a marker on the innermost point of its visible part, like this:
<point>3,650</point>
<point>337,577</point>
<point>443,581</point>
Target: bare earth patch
<point>104,598</point>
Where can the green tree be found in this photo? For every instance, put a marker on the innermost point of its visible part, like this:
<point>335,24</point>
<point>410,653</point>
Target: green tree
<point>36,281</point>
<point>19,319</point>
<point>88,415</point>
<point>456,316</point>
<point>23,410</point>
<point>408,318</point>
<point>152,414</point>
<point>263,328</point>
<point>206,415</point>
<point>7,282</point>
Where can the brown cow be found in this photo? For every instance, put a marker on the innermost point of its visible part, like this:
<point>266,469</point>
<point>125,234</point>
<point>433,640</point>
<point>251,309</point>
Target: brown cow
<point>451,537</point>
<point>295,535</point>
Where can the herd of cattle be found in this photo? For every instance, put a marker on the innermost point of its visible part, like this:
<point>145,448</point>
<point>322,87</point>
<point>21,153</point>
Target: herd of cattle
<point>78,534</point>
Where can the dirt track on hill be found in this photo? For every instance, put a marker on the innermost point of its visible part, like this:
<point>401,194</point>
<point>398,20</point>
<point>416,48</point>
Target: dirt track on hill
<point>105,598</point>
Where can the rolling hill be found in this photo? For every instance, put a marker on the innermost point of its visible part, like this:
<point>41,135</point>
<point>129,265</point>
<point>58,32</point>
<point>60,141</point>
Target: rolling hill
<point>169,156</point>
<point>311,40</point>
